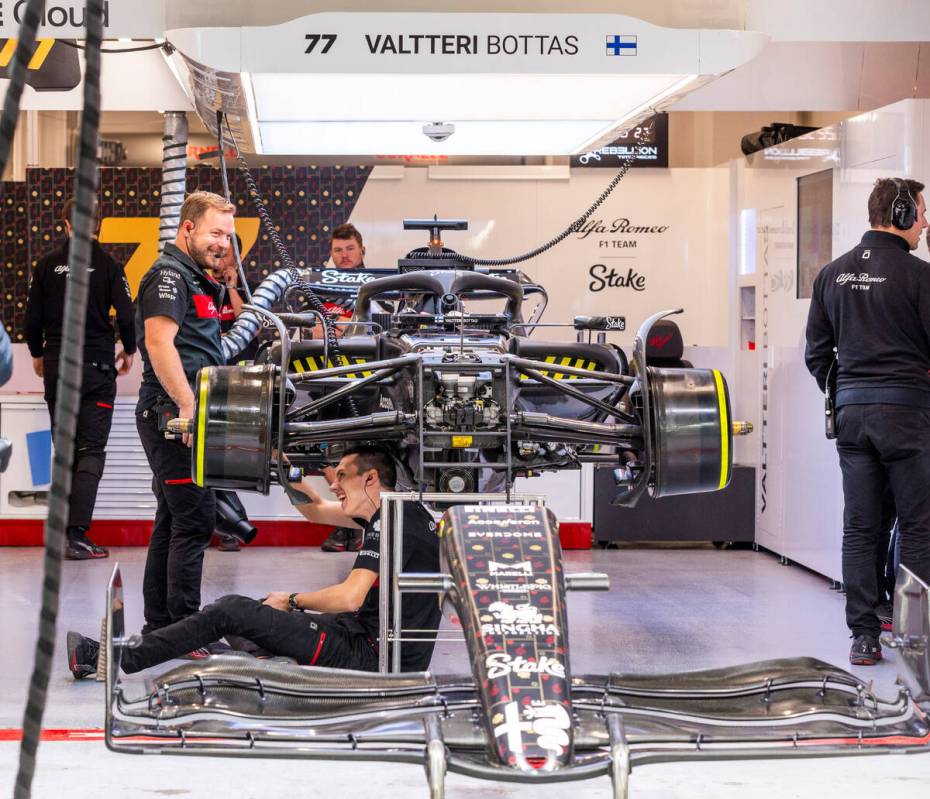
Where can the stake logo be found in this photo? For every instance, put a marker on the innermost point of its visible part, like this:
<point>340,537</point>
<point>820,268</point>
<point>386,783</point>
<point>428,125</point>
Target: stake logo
<point>330,276</point>
<point>602,278</point>
<point>501,664</point>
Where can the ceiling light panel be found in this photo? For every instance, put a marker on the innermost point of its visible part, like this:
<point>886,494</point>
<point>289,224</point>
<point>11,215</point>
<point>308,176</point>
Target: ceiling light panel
<point>290,97</point>
<point>471,137</point>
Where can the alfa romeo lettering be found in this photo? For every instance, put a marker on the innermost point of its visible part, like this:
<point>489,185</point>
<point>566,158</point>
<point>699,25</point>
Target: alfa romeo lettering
<point>618,225</point>
<point>862,277</point>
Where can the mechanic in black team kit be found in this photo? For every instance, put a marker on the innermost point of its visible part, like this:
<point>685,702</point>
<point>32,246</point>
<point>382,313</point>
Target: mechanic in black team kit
<point>178,326</point>
<point>344,631</point>
<point>347,251</point>
<point>871,307</point>
<point>45,311</point>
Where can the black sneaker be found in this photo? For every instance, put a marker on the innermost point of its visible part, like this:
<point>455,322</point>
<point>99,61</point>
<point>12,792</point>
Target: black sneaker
<point>866,651</point>
<point>201,653</point>
<point>80,547</point>
<point>355,539</point>
<point>338,540</point>
<point>82,655</point>
<point>228,543</point>
<point>885,613</point>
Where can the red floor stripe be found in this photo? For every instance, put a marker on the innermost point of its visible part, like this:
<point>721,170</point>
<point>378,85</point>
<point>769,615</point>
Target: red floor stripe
<point>93,734</point>
<point>136,533</point>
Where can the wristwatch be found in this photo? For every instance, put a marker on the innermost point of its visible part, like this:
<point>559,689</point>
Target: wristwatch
<point>292,602</point>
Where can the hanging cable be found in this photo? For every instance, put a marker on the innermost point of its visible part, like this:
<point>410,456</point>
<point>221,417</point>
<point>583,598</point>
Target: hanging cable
<point>173,176</point>
<point>290,268</point>
<point>24,46</point>
<point>156,46</point>
<point>69,381</point>
<point>234,242</point>
<point>573,228</point>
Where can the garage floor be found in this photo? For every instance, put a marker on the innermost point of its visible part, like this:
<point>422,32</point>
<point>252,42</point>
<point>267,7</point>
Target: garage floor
<point>668,610</point>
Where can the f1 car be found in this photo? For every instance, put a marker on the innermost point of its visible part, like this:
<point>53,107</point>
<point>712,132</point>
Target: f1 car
<point>467,399</point>
<point>463,394</point>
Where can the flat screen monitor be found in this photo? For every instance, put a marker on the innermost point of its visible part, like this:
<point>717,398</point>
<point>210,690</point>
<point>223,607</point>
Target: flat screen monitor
<point>815,228</point>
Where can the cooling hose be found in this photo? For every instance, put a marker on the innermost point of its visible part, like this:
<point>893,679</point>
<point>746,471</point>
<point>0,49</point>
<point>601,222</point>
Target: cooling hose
<point>71,370</point>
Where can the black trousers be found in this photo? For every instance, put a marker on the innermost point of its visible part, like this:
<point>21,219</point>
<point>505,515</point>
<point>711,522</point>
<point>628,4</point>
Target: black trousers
<point>184,520</point>
<point>312,640</point>
<point>879,444</point>
<point>95,416</point>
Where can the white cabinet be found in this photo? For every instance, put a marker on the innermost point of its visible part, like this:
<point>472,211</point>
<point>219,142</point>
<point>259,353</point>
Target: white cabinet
<point>18,417</point>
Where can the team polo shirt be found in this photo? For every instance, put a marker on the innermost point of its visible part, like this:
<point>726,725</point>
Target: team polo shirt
<point>178,288</point>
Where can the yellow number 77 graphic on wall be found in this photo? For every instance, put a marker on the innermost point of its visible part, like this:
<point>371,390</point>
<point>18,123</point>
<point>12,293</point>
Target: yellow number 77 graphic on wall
<point>143,231</point>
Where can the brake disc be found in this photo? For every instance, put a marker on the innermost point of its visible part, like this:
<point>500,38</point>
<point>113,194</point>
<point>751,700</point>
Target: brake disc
<point>233,427</point>
<point>693,449</point>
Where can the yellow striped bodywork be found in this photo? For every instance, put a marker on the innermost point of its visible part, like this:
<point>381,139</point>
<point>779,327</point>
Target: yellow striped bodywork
<point>567,360</point>
<point>201,429</point>
<point>724,430</point>
<point>313,363</point>
<point>43,48</point>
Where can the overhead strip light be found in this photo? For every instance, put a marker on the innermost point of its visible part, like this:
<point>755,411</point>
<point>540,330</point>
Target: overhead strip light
<point>249,91</point>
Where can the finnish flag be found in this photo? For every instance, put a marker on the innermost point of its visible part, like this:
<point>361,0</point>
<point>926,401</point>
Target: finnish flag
<point>621,45</point>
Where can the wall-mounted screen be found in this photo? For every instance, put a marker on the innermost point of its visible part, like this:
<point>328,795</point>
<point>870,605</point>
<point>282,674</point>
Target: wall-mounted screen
<point>815,228</point>
<point>646,144</point>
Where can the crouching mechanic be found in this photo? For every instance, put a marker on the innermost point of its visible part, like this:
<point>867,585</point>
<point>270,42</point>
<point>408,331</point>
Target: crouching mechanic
<point>343,631</point>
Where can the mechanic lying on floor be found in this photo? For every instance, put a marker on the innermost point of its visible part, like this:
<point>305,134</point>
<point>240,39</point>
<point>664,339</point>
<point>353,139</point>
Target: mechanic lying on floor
<point>344,632</point>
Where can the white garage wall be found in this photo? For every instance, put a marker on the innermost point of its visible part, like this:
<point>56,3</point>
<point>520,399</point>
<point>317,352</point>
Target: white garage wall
<point>513,209</point>
<point>684,263</point>
<point>799,503</point>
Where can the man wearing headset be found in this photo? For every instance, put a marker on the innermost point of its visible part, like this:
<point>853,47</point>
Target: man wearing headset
<point>342,631</point>
<point>870,309</point>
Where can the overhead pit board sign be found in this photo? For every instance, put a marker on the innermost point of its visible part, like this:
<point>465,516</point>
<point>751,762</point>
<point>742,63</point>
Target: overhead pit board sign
<point>646,144</point>
<point>444,43</point>
<point>64,19</point>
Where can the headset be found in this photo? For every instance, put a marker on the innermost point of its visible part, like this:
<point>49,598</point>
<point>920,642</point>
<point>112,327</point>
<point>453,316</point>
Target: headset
<point>903,207</point>
<point>368,480</point>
